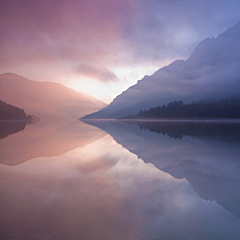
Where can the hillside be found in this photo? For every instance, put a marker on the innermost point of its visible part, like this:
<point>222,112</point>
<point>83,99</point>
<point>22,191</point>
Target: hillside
<point>8,111</point>
<point>212,70</point>
<point>206,108</point>
<point>45,99</point>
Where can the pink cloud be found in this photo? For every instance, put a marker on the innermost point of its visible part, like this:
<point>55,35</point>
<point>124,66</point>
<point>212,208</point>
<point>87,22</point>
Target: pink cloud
<point>99,73</point>
<point>45,31</point>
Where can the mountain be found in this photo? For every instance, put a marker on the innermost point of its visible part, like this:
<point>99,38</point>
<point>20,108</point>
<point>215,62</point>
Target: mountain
<point>8,111</point>
<point>46,99</point>
<point>212,70</point>
<point>98,103</point>
<point>208,108</point>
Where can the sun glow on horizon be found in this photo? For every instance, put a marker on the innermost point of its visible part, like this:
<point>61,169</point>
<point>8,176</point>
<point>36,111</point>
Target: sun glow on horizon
<point>106,92</point>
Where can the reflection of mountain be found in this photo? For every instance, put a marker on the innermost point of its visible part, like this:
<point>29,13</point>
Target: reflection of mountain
<point>46,138</point>
<point>11,127</point>
<point>229,133</point>
<point>211,165</point>
<point>46,99</point>
<point>211,71</point>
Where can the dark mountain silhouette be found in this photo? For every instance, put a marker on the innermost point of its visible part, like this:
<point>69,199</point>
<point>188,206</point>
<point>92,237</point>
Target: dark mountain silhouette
<point>211,71</point>
<point>8,111</point>
<point>45,99</point>
<point>12,119</point>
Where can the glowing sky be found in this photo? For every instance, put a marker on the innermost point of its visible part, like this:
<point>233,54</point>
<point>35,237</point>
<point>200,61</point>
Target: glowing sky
<point>102,47</point>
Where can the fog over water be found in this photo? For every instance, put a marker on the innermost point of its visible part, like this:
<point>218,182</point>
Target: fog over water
<point>119,181</point>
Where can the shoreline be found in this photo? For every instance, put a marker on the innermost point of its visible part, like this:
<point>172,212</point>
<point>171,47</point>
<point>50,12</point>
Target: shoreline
<point>203,120</point>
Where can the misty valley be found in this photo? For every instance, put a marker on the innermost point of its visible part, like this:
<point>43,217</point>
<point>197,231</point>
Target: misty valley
<point>119,120</point>
<point>120,179</point>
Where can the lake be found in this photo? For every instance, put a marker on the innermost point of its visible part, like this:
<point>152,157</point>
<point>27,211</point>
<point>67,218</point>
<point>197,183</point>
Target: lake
<point>120,180</point>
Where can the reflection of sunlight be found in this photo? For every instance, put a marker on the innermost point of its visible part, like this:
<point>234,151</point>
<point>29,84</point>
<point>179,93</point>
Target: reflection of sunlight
<point>46,138</point>
<point>103,154</point>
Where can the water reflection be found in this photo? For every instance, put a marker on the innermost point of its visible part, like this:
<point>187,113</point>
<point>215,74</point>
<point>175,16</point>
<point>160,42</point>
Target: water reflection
<point>102,190</point>
<point>207,155</point>
<point>228,132</point>
<point>45,138</point>
<point>11,127</point>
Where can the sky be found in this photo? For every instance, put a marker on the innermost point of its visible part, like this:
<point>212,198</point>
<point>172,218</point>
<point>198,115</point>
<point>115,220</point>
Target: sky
<point>102,47</point>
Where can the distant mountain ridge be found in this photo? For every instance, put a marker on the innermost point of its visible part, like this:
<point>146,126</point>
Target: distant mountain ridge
<point>46,99</point>
<point>212,70</point>
<point>99,103</point>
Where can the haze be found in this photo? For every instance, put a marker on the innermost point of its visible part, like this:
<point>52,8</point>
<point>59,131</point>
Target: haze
<point>103,47</point>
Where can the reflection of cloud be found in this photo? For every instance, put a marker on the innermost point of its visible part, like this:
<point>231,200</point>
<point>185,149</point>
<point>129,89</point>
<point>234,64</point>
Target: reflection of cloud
<point>211,165</point>
<point>102,191</point>
<point>48,138</point>
<point>97,72</point>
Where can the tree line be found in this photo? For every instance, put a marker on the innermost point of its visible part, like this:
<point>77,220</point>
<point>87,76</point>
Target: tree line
<point>208,108</point>
<point>8,111</point>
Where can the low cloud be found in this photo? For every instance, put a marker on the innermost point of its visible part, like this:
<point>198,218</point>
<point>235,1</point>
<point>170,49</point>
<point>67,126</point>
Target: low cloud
<point>50,40</point>
<point>98,73</point>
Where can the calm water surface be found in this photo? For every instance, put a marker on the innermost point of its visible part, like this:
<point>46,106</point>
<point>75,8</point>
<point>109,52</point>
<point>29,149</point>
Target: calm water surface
<point>112,180</point>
